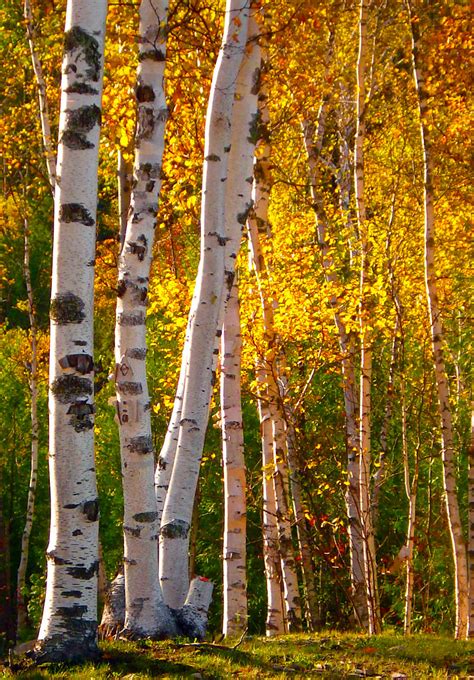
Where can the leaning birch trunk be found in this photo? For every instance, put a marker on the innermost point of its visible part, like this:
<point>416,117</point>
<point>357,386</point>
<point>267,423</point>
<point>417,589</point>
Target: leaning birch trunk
<point>42,98</point>
<point>235,528</point>
<point>206,312</point>
<point>366,339</point>
<point>146,615</point>
<point>436,328</point>
<point>33,384</point>
<point>351,398</point>
<point>69,625</point>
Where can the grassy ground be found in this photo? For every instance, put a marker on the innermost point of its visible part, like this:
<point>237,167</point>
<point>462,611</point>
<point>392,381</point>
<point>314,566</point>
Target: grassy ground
<point>328,655</point>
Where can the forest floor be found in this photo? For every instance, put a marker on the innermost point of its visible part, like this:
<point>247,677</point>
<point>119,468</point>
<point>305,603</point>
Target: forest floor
<point>325,655</point>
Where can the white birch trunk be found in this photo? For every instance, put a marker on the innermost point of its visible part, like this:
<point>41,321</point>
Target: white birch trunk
<point>366,339</point>
<point>307,569</point>
<point>30,505</point>
<point>69,625</point>
<point>206,311</point>
<point>269,399</point>
<point>436,327</point>
<point>50,155</point>
<point>146,615</point>
<point>291,593</point>
<point>275,623</point>
<point>235,526</point>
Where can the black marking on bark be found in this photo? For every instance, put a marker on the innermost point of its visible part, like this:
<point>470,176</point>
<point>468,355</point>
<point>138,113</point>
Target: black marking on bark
<point>154,55</point>
<point>138,293</point>
<point>242,217</point>
<point>145,93</point>
<point>213,382</point>
<point>138,247</point>
<point>127,560</point>
<point>83,363</point>
<point>71,506</point>
<point>77,610</point>
<point>84,573</point>
<point>212,157</point>
<point>148,171</point>
<point>150,185</point>
<point>218,333</point>
<point>78,39</point>
<point>136,353</point>
<point>77,532</point>
<point>80,343</point>
<point>91,509</point>
<point>227,148</point>
<point>80,412</point>
<point>221,240</point>
<point>162,464</point>
<point>71,593</point>
<point>129,387</point>
<point>187,420</point>
<point>145,122</point>
<point>131,531</point>
<point>52,557</point>
<point>178,528</point>
<point>141,445</point>
<point>121,288</point>
<point>75,212</point>
<point>229,279</point>
<point>256,81</point>
<point>68,389</point>
<point>145,517</point>
<point>81,88</point>
<point>67,308</point>
<point>78,123</point>
<point>131,319</point>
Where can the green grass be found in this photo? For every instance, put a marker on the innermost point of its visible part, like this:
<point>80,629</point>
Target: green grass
<point>327,655</point>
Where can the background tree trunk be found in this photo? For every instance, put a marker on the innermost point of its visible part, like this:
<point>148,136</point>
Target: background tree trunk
<point>436,327</point>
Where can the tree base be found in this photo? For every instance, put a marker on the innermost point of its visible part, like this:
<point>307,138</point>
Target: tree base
<point>63,649</point>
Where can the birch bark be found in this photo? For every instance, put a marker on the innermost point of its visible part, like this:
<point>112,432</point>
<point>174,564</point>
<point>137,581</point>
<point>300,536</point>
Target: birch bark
<point>146,615</point>
<point>206,311</point>
<point>69,625</point>
<point>436,327</point>
<point>234,563</point>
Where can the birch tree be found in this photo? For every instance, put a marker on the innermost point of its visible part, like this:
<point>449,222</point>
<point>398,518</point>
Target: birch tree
<point>206,311</point>
<point>69,625</point>
<point>235,528</point>
<point>366,336</point>
<point>145,612</point>
<point>437,338</point>
<point>33,384</point>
